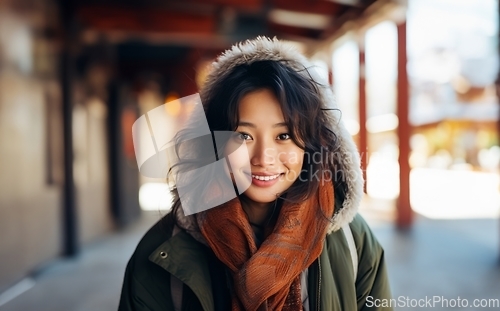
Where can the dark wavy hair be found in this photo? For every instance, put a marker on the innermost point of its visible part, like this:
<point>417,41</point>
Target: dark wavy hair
<point>304,111</point>
<point>306,115</point>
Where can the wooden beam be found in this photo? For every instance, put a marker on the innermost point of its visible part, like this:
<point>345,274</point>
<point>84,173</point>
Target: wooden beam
<point>310,6</point>
<point>404,211</point>
<point>355,3</point>
<point>290,31</point>
<point>345,16</point>
<point>106,18</point>
<point>240,5</point>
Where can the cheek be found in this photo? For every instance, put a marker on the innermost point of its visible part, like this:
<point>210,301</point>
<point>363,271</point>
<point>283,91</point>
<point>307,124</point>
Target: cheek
<point>292,158</point>
<point>240,167</point>
<point>239,159</point>
<point>238,156</point>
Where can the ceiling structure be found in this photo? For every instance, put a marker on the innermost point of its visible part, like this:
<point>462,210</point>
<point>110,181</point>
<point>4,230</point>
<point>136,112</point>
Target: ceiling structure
<point>198,23</point>
<point>173,37</point>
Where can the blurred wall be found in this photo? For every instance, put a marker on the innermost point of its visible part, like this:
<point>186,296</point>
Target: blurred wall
<point>91,169</point>
<point>30,149</point>
<point>32,228</point>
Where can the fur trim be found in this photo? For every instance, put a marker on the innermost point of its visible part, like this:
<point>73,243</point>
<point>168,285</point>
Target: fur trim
<point>189,224</point>
<point>263,48</point>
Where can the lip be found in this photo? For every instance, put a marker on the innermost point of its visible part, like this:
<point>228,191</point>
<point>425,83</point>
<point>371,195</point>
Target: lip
<point>265,173</point>
<point>265,183</point>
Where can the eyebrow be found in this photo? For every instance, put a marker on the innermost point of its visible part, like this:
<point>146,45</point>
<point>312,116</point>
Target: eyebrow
<point>243,123</point>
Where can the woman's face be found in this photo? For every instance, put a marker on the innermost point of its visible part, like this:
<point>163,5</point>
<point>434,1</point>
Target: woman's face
<point>275,160</point>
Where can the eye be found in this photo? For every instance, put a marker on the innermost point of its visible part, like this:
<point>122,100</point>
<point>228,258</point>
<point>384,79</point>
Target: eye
<point>284,136</point>
<point>242,136</point>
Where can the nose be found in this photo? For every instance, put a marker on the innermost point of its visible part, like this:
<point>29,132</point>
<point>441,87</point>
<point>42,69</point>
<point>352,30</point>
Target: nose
<point>263,153</point>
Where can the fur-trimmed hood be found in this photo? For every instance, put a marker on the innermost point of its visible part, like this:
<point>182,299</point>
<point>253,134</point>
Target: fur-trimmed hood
<point>346,157</point>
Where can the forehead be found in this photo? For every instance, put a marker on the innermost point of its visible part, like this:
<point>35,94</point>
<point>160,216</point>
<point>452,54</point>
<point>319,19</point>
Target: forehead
<point>261,105</point>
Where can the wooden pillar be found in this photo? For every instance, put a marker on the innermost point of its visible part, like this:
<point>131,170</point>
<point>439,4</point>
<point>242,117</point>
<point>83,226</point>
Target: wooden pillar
<point>497,83</point>
<point>69,212</point>
<point>363,134</point>
<point>404,211</point>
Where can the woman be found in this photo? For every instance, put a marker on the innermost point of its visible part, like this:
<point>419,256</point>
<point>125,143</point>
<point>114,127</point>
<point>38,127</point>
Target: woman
<point>292,238</point>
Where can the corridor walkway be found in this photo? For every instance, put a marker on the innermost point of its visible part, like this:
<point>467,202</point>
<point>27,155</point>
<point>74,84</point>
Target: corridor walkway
<point>446,258</point>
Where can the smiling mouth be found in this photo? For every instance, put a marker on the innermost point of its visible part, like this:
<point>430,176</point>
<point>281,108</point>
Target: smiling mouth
<point>265,178</point>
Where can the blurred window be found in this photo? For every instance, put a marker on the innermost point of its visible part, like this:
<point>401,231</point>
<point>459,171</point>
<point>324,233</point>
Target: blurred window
<point>345,62</point>
<point>452,67</point>
<point>382,176</point>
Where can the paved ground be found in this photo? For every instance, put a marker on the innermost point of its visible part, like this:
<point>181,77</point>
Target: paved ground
<point>444,258</point>
<point>90,282</point>
<point>449,258</point>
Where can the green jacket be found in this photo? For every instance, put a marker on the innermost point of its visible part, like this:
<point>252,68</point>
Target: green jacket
<point>331,284</point>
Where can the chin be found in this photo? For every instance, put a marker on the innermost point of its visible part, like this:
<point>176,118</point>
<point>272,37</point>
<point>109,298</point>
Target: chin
<point>260,198</point>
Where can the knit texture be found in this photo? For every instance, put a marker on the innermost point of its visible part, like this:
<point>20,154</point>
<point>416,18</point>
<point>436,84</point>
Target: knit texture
<point>268,277</point>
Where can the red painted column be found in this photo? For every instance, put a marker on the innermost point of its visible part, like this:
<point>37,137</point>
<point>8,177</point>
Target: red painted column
<point>363,134</point>
<point>330,74</point>
<point>497,82</point>
<point>404,211</point>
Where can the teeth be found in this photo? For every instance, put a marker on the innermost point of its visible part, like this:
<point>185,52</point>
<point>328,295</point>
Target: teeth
<point>265,178</point>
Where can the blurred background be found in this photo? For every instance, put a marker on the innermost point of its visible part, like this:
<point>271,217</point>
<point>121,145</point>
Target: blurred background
<point>416,82</point>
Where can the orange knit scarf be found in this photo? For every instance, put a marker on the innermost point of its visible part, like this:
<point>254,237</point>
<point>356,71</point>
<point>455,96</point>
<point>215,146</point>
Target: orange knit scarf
<point>268,278</point>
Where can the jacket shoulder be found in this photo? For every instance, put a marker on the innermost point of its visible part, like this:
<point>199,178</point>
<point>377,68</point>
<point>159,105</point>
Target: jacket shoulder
<point>154,237</point>
<point>372,281</point>
<point>144,286</point>
<point>363,235</point>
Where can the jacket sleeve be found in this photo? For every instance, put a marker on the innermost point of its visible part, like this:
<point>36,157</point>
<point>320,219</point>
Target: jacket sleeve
<point>372,283</point>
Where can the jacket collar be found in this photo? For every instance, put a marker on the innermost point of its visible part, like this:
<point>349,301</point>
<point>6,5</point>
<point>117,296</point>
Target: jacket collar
<point>185,259</point>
